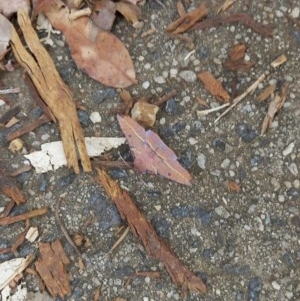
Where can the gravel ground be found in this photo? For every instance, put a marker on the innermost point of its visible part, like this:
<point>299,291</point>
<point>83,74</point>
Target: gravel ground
<point>245,245</point>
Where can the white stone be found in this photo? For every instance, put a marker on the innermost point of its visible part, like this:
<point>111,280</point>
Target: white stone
<point>159,80</point>
<point>201,160</point>
<point>222,212</point>
<point>173,72</point>
<point>188,75</point>
<point>146,85</point>
<point>276,285</point>
<point>95,117</point>
<point>295,12</point>
<point>288,149</point>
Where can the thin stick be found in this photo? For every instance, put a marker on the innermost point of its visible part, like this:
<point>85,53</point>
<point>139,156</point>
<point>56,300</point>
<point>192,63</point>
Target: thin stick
<point>120,239</point>
<point>22,217</point>
<point>11,90</point>
<point>65,232</point>
<point>208,111</point>
<point>242,96</point>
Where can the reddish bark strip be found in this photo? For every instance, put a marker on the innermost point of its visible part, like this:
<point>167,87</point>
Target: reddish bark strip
<point>153,243</point>
<point>264,30</point>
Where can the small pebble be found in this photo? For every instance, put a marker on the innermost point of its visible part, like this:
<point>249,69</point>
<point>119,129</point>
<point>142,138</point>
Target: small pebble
<point>295,12</point>
<point>146,85</point>
<point>276,285</point>
<point>289,149</point>
<point>95,117</point>
<point>219,144</point>
<point>222,212</point>
<point>293,169</point>
<point>201,160</point>
<point>188,75</point>
<point>225,163</point>
<point>159,80</point>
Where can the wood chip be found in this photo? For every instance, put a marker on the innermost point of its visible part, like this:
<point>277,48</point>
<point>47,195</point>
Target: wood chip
<point>279,61</point>
<point>266,93</point>
<point>233,186</point>
<point>275,105</point>
<point>154,244</point>
<point>52,90</point>
<point>213,86</point>
<point>52,268</point>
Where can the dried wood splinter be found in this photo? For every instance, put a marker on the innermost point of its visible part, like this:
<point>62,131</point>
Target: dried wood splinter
<point>153,243</point>
<point>52,90</point>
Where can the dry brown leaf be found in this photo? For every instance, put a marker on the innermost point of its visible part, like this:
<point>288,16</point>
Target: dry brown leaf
<point>132,13</point>
<point>127,102</point>
<point>99,53</point>
<point>233,186</point>
<point>235,60</point>
<point>213,86</point>
<point>52,90</point>
<point>266,93</point>
<point>153,243</point>
<point>187,21</point>
<point>52,268</point>
<point>275,105</point>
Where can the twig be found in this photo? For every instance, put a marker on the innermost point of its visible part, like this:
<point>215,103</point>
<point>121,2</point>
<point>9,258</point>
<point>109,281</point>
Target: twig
<point>264,30</point>
<point>208,111</point>
<point>242,96</point>
<point>22,217</point>
<point>8,208</point>
<point>119,239</point>
<point>66,234</point>
<point>164,98</point>
<point>11,90</point>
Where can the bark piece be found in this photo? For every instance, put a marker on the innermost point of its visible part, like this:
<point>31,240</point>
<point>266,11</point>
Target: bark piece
<point>264,30</point>
<point>22,217</point>
<point>52,90</point>
<point>151,154</point>
<point>235,60</point>
<point>52,268</point>
<point>9,187</point>
<point>275,105</point>
<point>213,86</point>
<point>188,20</point>
<point>266,93</point>
<point>144,113</point>
<point>153,243</point>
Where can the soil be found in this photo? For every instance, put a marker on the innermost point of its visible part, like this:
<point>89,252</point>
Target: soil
<point>246,244</point>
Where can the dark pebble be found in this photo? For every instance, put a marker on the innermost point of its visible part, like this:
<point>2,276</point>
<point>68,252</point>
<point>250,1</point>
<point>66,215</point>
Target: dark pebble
<point>84,118</point>
<point>26,250</point>
<point>277,222</point>
<point>123,271</point>
<point>43,183</point>
<point>65,181</point>
<point>256,160</point>
<point>246,132</point>
<point>100,96</point>
<point>77,292</point>
<point>287,258</point>
<point>24,176</point>
<point>186,159</point>
<point>196,128</point>
<point>236,270</point>
<point>296,35</point>
<point>293,192</point>
<point>118,173</point>
<point>5,244</point>
<point>254,289</point>
<point>161,225</point>
<point>296,221</point>
<point>107,213</point>
<point>192,212</point>
<point>239,296</point>
<point>153,194</point>
<point>208,254</point>
<point>219,144</point>
<point>171,107</point>
<point>242,174</point>
<point>168,131</point>
<point>36,113</point>
<point>202,52</point>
